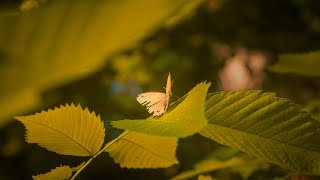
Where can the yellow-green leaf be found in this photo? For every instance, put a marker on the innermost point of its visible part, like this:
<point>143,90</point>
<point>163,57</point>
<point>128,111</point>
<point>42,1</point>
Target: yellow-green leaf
<point>59,173</point>
<point>137,150</point>
<point>184,120</point>
<point>67,130</point>
<point>304,64</point>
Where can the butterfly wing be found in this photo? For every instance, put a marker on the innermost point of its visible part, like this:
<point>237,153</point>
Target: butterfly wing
<point>156,102</point>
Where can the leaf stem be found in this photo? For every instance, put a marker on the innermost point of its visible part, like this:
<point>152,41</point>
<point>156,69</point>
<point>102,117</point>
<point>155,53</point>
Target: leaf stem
<point>98,153</point>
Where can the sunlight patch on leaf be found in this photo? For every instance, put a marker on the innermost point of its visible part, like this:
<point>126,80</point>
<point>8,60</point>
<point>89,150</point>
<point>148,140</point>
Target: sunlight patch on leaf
<point>137,150</point>
<point>306,64</point>
<point>265,126</point>
<point>68,130</point>
<point>184,120</point>
<point>59,173</point>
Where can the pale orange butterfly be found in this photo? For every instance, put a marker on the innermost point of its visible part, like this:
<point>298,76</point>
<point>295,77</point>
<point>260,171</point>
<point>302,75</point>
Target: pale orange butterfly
<point>156,102</point>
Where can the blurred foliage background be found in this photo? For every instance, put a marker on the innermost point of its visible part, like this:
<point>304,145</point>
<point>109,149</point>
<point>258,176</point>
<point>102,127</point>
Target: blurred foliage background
<point>101,54</point>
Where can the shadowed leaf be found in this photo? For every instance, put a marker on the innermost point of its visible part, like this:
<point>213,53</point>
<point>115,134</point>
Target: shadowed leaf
<point>225,158</point>
<point>265,126</point>
<point>62,41</point>
<point>207,166</point>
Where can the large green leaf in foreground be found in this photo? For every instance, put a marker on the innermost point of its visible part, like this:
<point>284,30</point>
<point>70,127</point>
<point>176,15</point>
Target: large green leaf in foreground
<point>186,119</point>
<point>61,41</point>
<point>266,126</point>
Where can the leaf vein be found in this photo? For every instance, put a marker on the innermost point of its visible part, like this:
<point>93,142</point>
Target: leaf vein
<point>142,147</point>
<point>63,134</point>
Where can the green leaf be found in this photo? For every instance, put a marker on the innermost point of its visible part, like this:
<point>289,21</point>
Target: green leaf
<point>137,150</point>
<point>225,158</point>
<point>59,173</point>
<point>303,64</point>
<point>208,166</point>
<point>62,41</point>
<point>265,126</point>
<point>184,120</point>
<point>67,130</point>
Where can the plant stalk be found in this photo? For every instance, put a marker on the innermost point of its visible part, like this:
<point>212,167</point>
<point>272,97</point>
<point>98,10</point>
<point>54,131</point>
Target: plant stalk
<point>98,153</point>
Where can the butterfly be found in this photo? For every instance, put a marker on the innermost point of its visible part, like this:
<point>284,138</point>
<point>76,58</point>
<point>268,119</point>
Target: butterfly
<point>156,102</point>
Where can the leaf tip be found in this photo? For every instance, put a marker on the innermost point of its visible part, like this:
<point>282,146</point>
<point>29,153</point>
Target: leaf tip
<point>19,118</point>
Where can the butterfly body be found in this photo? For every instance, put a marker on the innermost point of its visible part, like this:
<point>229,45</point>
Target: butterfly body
<point>156,102</point>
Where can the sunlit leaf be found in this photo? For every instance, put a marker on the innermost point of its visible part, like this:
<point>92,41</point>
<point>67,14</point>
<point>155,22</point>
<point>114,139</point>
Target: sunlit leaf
<point>184,120</point>
<point>303,64</point>
<point>265,126</point>
<point>61,41</point>
<point>59,173</point>
<point>137,150</point>
<point>67,130</point>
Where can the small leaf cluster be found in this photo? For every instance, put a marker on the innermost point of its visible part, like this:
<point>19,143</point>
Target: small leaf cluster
<point>250,123</point>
